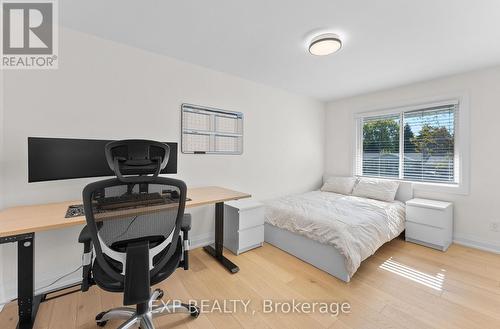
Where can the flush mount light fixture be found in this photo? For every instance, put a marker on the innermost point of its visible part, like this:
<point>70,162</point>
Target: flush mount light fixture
<point>325,44</point>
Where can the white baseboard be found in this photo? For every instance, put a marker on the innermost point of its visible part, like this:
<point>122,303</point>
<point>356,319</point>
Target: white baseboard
<point>477,243</point>
<point>10,292</point>
<point>202,240</point>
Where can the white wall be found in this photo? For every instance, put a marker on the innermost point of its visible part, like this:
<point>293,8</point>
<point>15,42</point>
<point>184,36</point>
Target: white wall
<point>1,139</point>
<point>110,91</point>
<point>2,292</point>
<point>474,211</point>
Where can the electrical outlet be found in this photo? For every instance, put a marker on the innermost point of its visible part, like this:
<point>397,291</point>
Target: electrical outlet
<point>495,226</point>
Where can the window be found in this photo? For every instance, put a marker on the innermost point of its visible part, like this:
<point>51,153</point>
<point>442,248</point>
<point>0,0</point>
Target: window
<point>416,144</point>
<point>381,146</point>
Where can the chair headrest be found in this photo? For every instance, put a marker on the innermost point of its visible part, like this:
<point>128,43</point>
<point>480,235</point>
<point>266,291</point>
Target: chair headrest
<point>136,157</point>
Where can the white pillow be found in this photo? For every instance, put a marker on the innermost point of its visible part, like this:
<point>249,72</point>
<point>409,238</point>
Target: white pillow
<point>342,185</point>
<point>384,190</point>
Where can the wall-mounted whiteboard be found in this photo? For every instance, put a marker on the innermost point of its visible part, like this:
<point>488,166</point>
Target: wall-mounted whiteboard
<point>207,130</point>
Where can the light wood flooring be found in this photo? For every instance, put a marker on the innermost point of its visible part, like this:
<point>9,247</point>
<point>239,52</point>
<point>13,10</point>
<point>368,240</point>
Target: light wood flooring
<point>402,286</point>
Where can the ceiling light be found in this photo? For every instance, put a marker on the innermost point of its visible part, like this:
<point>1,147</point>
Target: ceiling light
<point>325,44</point>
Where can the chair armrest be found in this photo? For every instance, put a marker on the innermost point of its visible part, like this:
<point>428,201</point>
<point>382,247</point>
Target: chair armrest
<point>86,239</point>
<point>185,228</point>
<point>186,223</point>
<point>84,235</point>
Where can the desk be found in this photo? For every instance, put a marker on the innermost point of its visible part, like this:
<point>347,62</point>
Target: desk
<point>19,224</point>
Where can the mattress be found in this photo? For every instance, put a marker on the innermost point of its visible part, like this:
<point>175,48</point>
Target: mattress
<point>355,226</point>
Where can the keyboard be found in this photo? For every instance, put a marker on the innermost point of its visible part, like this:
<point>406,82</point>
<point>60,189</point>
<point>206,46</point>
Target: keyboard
<point>130,200</point>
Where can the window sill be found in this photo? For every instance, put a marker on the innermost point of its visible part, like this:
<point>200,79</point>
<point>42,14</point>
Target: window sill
<point>461,189</point>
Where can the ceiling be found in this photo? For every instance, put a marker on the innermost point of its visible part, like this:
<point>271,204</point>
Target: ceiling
<point>386,43</point>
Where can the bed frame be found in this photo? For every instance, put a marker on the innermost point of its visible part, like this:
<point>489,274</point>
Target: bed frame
<point>322,256</point>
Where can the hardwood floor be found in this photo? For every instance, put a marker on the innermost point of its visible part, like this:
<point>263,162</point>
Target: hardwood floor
<point>402,286</point>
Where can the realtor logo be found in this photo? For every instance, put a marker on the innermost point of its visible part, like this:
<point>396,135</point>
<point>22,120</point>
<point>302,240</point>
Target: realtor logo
<point>29,35</point>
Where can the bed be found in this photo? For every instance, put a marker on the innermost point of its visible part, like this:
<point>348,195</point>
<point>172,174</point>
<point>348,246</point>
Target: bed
<point>334,232</point>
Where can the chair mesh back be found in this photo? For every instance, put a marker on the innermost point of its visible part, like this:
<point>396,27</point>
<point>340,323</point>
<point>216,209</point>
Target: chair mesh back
<point>124,213</point>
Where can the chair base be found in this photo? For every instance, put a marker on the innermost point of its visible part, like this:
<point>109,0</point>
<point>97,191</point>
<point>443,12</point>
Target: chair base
<point>144,319</point>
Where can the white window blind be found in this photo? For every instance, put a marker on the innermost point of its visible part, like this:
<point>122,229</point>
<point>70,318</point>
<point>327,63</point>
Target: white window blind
<point>429,144</point>
<point>417,144</point>
<point>380,148</point>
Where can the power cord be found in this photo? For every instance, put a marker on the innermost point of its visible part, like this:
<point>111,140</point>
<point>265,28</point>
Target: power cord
<point>5,303</point>
<point>126,230</point>
<point>48,285</point>
<point>60,278</point>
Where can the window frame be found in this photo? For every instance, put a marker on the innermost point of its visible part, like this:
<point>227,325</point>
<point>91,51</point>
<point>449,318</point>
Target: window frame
<point>461,145</point>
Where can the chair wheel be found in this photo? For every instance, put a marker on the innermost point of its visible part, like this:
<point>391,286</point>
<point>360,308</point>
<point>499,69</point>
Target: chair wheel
<point>160,294</point>
<point>194,311</point>
<point>98,318</point>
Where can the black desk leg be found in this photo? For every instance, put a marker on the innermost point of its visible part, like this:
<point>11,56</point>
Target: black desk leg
<point>219,240</point>
<point>26,301</point>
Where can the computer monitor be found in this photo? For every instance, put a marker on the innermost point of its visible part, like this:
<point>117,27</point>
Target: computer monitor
<point>65,158</point>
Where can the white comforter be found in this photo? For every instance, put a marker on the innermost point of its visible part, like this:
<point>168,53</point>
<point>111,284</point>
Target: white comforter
<point>355,226</point>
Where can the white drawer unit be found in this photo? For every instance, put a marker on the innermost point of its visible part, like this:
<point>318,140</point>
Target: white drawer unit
<point>243,225</point>
<point>430,223</point>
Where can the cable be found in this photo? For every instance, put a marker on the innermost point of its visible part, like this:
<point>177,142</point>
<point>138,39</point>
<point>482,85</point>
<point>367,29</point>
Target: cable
<point>126,230</point>
<point>48,285</point>
<point>5,303</point>
<point>60,278</point>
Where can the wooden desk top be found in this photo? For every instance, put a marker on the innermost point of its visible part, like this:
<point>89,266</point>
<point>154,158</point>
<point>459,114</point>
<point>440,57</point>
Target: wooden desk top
<point>44,217</point>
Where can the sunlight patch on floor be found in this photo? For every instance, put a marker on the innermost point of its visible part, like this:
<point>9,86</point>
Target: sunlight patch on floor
<point>432,281</point>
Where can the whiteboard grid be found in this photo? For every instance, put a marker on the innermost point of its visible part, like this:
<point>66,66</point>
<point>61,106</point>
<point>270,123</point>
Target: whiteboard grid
<point>196,121</point>
<point>196,142</point>
<point>226,143</point>
<point>211,131</point>
<point>226,125</point>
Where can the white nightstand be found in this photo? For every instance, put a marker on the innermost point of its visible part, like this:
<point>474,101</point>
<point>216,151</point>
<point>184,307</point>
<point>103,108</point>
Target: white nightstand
<point>430,223</point>
<point>243,225</point>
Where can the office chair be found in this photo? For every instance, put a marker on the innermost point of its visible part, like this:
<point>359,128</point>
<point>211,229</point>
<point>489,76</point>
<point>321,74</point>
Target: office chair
<point>132,246</point>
